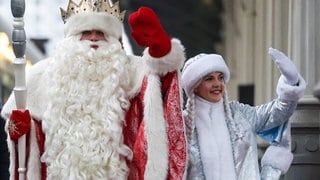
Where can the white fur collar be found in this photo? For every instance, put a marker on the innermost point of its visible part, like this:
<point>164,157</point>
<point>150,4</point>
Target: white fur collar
<point>214,140</point>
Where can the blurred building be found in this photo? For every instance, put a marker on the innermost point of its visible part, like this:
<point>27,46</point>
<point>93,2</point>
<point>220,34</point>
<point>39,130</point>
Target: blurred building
<point>250,28</point>
<point>33,54</point>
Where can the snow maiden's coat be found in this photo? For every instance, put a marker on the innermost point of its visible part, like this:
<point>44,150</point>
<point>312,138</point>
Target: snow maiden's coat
<point>243,125</point>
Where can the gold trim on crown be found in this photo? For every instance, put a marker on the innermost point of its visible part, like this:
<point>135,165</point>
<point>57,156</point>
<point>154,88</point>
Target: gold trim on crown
<point>92,6</point>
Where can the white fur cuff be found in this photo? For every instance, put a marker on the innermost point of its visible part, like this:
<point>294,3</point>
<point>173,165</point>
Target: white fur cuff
<point>278,158</point>
<point>291,93</point>
<point>168,63</point>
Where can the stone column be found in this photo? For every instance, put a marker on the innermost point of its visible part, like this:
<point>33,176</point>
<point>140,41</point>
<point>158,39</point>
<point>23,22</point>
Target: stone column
<point>303,41</point>
<point>316,91</point>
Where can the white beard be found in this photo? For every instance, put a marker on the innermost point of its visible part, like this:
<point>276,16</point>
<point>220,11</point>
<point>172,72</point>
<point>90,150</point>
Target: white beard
<point>83,122</point>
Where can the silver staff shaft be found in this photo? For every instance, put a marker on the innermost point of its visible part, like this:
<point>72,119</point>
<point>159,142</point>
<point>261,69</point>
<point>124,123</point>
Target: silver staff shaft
<point>20,89</point>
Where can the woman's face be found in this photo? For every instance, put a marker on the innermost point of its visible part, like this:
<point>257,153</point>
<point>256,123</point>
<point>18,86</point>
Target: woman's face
<point>211,87</point>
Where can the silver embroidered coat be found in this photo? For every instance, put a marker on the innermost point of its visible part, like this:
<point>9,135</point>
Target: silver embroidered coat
<point>245,122</point>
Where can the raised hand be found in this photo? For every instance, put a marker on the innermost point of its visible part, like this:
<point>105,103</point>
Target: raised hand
<point>285,65</point>
<point>147,31</point>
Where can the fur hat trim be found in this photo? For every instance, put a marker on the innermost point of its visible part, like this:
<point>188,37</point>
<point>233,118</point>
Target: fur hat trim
<point>104,22</point>
<point>201,65</point>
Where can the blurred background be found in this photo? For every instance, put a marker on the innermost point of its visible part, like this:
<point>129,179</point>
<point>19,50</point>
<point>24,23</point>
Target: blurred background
<point>240,30</point>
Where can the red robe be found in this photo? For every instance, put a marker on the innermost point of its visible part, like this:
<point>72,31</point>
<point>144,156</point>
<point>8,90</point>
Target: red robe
<point>135,136</point>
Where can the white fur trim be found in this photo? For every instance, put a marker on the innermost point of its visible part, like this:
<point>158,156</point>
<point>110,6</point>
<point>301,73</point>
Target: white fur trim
<point>155,131</point>
<point>201,65</point>
<point>168,63</point>
<point>291,92</point>
<point>34,164</point>
<point>278,158</point>
<point>12,153</point>
<point>104,22</point>
<point>8,107</point>
<point>270,173</point>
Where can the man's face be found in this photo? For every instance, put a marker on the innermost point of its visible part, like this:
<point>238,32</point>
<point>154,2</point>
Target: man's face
<point>93,36</point>
<point>211,87</point>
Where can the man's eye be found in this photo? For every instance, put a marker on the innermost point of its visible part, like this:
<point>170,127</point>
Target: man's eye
<point>100,33</point>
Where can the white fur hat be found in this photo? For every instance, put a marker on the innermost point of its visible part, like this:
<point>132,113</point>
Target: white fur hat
<point>201,65</point>
<point>104,22</point>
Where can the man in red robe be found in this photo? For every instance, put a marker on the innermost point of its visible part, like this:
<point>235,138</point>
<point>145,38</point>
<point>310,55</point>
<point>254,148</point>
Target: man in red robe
<point>94,112</point>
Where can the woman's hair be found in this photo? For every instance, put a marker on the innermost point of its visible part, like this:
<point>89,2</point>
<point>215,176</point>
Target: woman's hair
<point>189,118</point>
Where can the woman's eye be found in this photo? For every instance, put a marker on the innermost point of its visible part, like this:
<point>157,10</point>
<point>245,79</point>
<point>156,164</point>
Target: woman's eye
<point>208,78</point>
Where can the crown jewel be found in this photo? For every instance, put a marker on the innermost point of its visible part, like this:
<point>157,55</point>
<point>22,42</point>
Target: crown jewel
<point>92,6</point>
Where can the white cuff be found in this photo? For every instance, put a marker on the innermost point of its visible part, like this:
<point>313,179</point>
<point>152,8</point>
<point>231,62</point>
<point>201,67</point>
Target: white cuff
<point>278,158</point>
<point>289,92</point>
<point>171,62</point>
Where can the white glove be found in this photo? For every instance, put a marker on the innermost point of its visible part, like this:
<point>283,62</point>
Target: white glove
<point>285,65</point>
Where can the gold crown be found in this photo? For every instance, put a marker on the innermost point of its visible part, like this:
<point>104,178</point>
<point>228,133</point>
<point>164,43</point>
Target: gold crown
<point>92,6</point>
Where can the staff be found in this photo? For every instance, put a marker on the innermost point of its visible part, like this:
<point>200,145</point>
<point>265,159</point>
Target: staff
<point>20,89</point>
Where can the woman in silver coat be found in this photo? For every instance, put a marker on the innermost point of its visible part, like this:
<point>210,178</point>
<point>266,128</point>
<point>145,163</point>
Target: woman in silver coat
<point>222,135</point>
